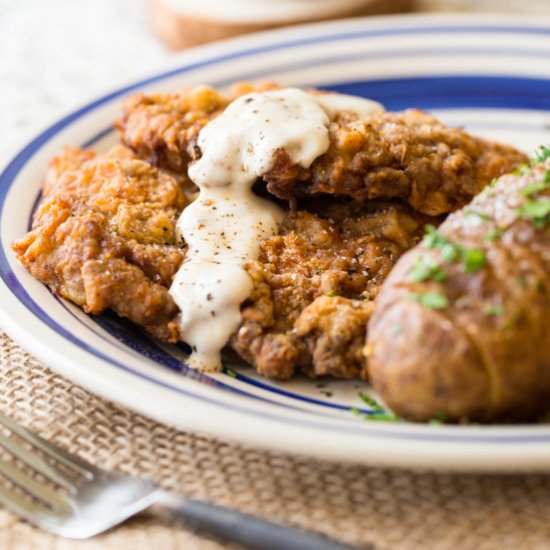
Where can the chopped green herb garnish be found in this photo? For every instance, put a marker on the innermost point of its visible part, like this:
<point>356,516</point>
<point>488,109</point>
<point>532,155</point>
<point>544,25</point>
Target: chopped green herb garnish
<point>513,320</point>
<point>439,418</point>
<point>376,415</point>
<point>370,401</point>
<point>547,176</point>
<point>425,269</point>
<point>439,276</point>
<point>542,154</point>
<point>474,259</point>
<point>493,309</point>
<point>533,188</point>
<point>537,210</point>
<point>449,250</point>
<point>231,372</point>
<point>520,281</point>
<point>431,300</point>
<point>494,181</point>
<point>540,286</point>
<point>522,170</point>
<point>494,234</point>
<point>481,215</point>
<point>365,296</point>
<point>383,417</point>
<point>433,239</point>
<point>330,293</point>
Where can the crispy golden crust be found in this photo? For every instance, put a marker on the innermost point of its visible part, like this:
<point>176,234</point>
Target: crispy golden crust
<point>163,128</point>
<point>409,156</point>
<point>104,237</point>
<point>314,286</point>
<point>485,357</point>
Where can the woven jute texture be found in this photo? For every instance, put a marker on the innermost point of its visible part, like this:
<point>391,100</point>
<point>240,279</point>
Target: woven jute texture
<point>391,509</point>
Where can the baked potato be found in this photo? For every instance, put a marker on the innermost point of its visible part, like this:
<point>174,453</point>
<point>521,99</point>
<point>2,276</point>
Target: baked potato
<point>461,330</point>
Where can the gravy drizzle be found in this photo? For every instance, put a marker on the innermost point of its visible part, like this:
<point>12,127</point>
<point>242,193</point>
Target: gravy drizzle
<point>224,226</point>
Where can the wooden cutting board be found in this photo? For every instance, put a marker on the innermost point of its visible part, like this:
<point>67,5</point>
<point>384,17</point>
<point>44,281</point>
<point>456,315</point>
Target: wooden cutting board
<point>185,23</point>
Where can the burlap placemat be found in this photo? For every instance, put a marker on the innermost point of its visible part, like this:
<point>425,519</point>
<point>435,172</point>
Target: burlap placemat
<point>392,509</point>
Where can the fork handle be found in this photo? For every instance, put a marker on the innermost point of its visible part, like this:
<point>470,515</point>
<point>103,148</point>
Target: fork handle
<point>250,531</point>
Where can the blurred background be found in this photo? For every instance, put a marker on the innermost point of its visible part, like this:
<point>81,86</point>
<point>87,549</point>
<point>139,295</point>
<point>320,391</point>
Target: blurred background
<point>58,53</point>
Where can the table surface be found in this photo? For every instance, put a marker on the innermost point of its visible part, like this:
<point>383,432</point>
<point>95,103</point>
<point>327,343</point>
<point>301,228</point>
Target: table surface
<point>56,54</point>
<point>78,49</point>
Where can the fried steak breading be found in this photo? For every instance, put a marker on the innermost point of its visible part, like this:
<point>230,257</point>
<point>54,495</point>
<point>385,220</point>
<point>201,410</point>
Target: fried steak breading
<point>163,128</point>
<point>409,156</point>
<point>104,237</point>
<point>314,286</point>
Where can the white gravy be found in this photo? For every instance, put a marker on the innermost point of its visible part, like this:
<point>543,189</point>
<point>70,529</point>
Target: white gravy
<point>360,106</point>
<point>224,226</point>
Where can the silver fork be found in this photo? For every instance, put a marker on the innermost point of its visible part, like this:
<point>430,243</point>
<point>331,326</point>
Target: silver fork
<point>81,500</point>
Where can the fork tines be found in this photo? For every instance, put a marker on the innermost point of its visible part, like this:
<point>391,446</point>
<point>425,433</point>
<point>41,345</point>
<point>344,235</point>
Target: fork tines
<point>65,477</point>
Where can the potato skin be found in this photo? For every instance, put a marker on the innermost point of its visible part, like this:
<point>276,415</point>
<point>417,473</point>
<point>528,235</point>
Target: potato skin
<point>484,357</point>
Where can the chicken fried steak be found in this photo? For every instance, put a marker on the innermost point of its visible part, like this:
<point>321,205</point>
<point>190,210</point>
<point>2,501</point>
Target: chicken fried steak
<point>409,156</point>
<point>104,237</point>
<point>314,286</point>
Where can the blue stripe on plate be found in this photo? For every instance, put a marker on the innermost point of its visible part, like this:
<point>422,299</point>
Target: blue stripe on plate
<point>454,92</point>
<point>411,53</point>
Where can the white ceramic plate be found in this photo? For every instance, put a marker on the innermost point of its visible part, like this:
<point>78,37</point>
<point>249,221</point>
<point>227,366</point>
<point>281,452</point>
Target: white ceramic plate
<point>490,74</point>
